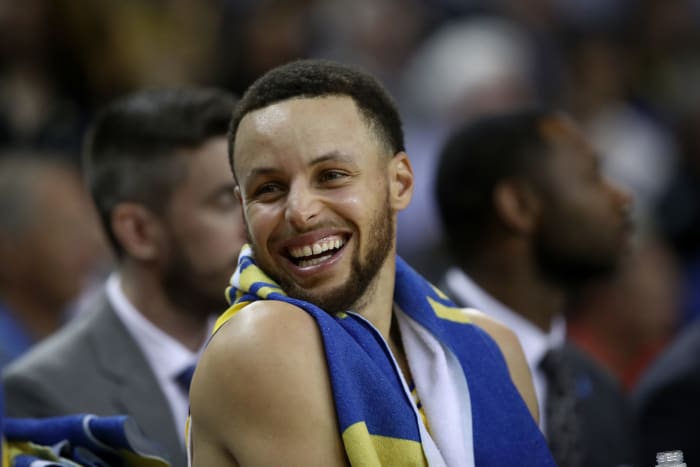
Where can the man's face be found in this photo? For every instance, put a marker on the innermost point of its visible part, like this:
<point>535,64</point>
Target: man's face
<point>584,224</point>
<point>64,246</point>
<point>316,198</point>
<point>205,228</point>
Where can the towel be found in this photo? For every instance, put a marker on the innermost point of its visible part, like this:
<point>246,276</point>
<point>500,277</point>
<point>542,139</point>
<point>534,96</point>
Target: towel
<point>377,417</point>
<point>442,391</point>
<point>77,440</point>
<point>4,459</point>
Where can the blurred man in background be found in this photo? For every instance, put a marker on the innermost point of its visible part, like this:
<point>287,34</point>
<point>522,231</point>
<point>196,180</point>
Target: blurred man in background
<point>529,216</point>
<point>50,247</point>
<point>157,166</point>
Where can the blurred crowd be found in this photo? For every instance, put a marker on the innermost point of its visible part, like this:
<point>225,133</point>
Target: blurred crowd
<point>626,70</point>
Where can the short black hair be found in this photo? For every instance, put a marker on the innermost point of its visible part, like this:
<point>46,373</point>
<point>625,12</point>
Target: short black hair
<point>129,152</point>
<point>475,158</point>
<point>319,78</point>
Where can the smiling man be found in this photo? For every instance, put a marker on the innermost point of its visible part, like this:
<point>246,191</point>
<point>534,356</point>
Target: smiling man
<point>334,351</point>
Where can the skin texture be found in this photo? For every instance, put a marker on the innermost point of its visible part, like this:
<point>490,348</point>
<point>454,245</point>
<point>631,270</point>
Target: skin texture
<point>204,228</point>
<point>261,393</point>
<point>557,226</point>
<point>347,174</point>
<point>583,225</point>
<point>180,261</point>
<point>567,226</point>
<point>48,258</point>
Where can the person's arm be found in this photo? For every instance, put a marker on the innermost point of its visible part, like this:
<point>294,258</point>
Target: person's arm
<point>261,393</point>
<point>515,359</point>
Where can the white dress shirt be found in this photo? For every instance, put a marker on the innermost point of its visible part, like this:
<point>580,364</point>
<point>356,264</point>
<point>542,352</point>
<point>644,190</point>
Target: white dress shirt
<point>534,341</point>
<point>166,356</point>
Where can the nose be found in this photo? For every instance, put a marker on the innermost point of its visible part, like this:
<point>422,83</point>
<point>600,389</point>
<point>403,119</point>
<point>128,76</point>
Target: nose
<point>303,205</point>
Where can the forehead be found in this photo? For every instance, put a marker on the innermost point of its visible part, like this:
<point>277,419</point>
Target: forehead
<point>313,115</point>
<point>569,148</point>
<point>209,153</point>
<point>563,134</point>
<point>302,126</point>
<point>202,168</point>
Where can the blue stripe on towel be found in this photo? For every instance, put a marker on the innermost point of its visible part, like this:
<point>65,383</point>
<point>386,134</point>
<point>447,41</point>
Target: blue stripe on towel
<point>376,416</point>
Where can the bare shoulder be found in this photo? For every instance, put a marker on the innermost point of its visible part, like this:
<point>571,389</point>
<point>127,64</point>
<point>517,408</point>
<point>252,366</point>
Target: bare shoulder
<point>512,351</point>
<point>259,382</point>
<point>264,344</point>
<point>268,323</point>
<point>265,338</point>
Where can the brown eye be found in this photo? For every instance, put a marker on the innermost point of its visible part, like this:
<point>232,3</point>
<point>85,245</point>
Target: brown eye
<point>267,189</point>
<point>331,175</point>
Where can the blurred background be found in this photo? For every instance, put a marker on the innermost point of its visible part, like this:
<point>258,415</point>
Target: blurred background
<point>626,70</point>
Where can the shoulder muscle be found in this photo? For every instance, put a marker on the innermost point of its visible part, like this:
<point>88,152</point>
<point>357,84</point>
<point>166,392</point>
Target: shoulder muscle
<point>263,382</point>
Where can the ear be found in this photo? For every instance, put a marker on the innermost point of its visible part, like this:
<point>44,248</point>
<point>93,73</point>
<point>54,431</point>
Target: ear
<point>138,230</point>
<point>400,181</point>
<point>517,205</point>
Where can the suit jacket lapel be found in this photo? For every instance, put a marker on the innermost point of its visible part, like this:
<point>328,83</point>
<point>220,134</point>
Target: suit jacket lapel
<point>136,389</point>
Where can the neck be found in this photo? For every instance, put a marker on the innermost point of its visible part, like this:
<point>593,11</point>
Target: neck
<point>378,308</point>
<point>377,303</point>
<point>518,286</point>
<point>397,349</point>
<point>142,286</point>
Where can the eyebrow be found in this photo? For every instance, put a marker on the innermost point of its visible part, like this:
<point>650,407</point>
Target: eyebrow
<point>329,156</point>
<point>262,171</point>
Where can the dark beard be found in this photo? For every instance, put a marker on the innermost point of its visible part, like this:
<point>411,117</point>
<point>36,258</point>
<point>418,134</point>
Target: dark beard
<point>355,291</point>
<point>181,289</point>
<point>571,270</point>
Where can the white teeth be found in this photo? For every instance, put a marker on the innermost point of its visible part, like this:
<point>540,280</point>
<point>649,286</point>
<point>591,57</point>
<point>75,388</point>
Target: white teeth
<point>316,249</point>
<point>311,262</point>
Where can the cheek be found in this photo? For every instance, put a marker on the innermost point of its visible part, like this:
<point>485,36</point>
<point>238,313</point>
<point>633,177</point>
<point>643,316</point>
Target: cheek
<point>355,202</point>
<point>593,212</point>
<point>355,211</point>
<point>255,222</point>
<point>211,237</point>
<point>263,222</point>
<point>71,248</point>
<point>64,267</point>
<point>349,207</point>
<point>562,220</point>
<point>580,222</point>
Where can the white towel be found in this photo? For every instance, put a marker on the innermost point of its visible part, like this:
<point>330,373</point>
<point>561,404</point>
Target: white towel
<point>444,394</point>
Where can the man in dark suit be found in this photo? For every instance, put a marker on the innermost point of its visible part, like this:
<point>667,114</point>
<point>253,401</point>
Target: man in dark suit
<point>157,166</point>
<point>528,216</point>
<point>666,399</point>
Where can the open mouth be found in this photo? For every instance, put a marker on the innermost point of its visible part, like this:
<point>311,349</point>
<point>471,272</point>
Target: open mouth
<point>317,252</point>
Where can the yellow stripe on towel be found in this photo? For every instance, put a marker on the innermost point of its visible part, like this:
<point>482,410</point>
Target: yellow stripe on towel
<point>448,312</point>
<point>367,450</point>
<point>5,461</point>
